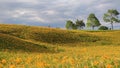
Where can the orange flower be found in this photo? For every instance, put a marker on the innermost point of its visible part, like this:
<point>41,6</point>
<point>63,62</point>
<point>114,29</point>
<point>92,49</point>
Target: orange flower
<point>12,66</point>
<point>85,66</point>
<point>63,61</point>
<point>72,61</point>
<point>105,57</point>
<point>28,60</point>
<point>108,66</point>
<point>18,60</point>
<point>95,63</point>
<point>3,61</point>
<point>42,64</point>
<point>1,65</point>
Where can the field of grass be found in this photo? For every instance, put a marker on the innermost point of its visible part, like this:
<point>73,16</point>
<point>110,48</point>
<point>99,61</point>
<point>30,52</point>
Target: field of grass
<point>41,47</point>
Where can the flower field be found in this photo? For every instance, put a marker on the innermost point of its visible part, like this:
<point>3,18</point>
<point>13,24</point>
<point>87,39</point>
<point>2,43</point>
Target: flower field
<point>40,47</point>
<point>72,57</point>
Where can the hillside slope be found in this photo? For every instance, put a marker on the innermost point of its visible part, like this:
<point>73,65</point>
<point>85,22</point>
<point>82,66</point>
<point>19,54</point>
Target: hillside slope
<point>11,43</point>
<point>47,35</point>
<point>13,37</point>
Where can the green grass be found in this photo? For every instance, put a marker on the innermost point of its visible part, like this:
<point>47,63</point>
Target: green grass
<point>15,44</point>
<point>49,35</point>
<point>41,47</point>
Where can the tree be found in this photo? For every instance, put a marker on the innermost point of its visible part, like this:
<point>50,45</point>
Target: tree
<point>103,28</point>
<point>69,24</point>
<point>111,16</point>
<point>80,24</point>
<point>74,26</point>
<point>92,21</point>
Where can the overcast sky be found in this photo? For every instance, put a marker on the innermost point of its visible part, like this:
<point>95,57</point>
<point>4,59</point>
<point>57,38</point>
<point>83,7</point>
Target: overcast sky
<point>53,12</point>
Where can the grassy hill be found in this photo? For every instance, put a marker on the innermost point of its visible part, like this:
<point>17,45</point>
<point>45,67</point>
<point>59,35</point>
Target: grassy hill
<point>41,47</point>
<point>51,35</point>
<point>48,35</point>
<point>17,34</point>
<point>11,43</point>
<point>16,38</point>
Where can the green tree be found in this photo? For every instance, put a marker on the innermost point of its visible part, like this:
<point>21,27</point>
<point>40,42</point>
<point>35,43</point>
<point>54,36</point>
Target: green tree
<point>103,28</point>
<point>69,24</point>
<point>111,16</point>
<point>92,21</point>
<point>74,26</point>
<point>80,24</point>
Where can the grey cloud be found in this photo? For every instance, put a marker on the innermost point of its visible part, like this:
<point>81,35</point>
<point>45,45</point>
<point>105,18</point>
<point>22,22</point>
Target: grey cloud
<point>44,12</point>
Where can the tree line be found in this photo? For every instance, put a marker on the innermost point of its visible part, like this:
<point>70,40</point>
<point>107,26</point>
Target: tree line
<point>110,16</point>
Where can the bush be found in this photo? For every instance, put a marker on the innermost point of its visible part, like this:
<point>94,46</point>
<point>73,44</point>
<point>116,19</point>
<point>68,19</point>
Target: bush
<point>103,28</point>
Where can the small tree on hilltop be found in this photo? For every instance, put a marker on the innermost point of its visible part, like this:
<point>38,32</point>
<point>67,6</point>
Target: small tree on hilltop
<point>111,16</point>
<point>80,24</point>
<point>69,24</point>
<point>103,28</point>
<point>74,26</point>
<point>92,21</point>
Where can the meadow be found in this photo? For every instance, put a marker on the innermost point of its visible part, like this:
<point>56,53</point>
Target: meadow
<point>41,47</point>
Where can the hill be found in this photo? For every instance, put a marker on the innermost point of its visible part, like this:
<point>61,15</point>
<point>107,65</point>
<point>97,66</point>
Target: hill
<point>13,39</point>
<point>48,35</point>
<point>16,37</point>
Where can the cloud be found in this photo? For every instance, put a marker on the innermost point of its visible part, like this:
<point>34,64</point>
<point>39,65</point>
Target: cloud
<point>49,12</point>
<point>36,19</point>
<point>45,12</point>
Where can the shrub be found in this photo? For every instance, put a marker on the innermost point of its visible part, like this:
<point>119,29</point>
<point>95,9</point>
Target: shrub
<point>103,28</point>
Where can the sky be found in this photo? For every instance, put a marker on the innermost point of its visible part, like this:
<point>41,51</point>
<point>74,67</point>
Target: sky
<point>53,12</point>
